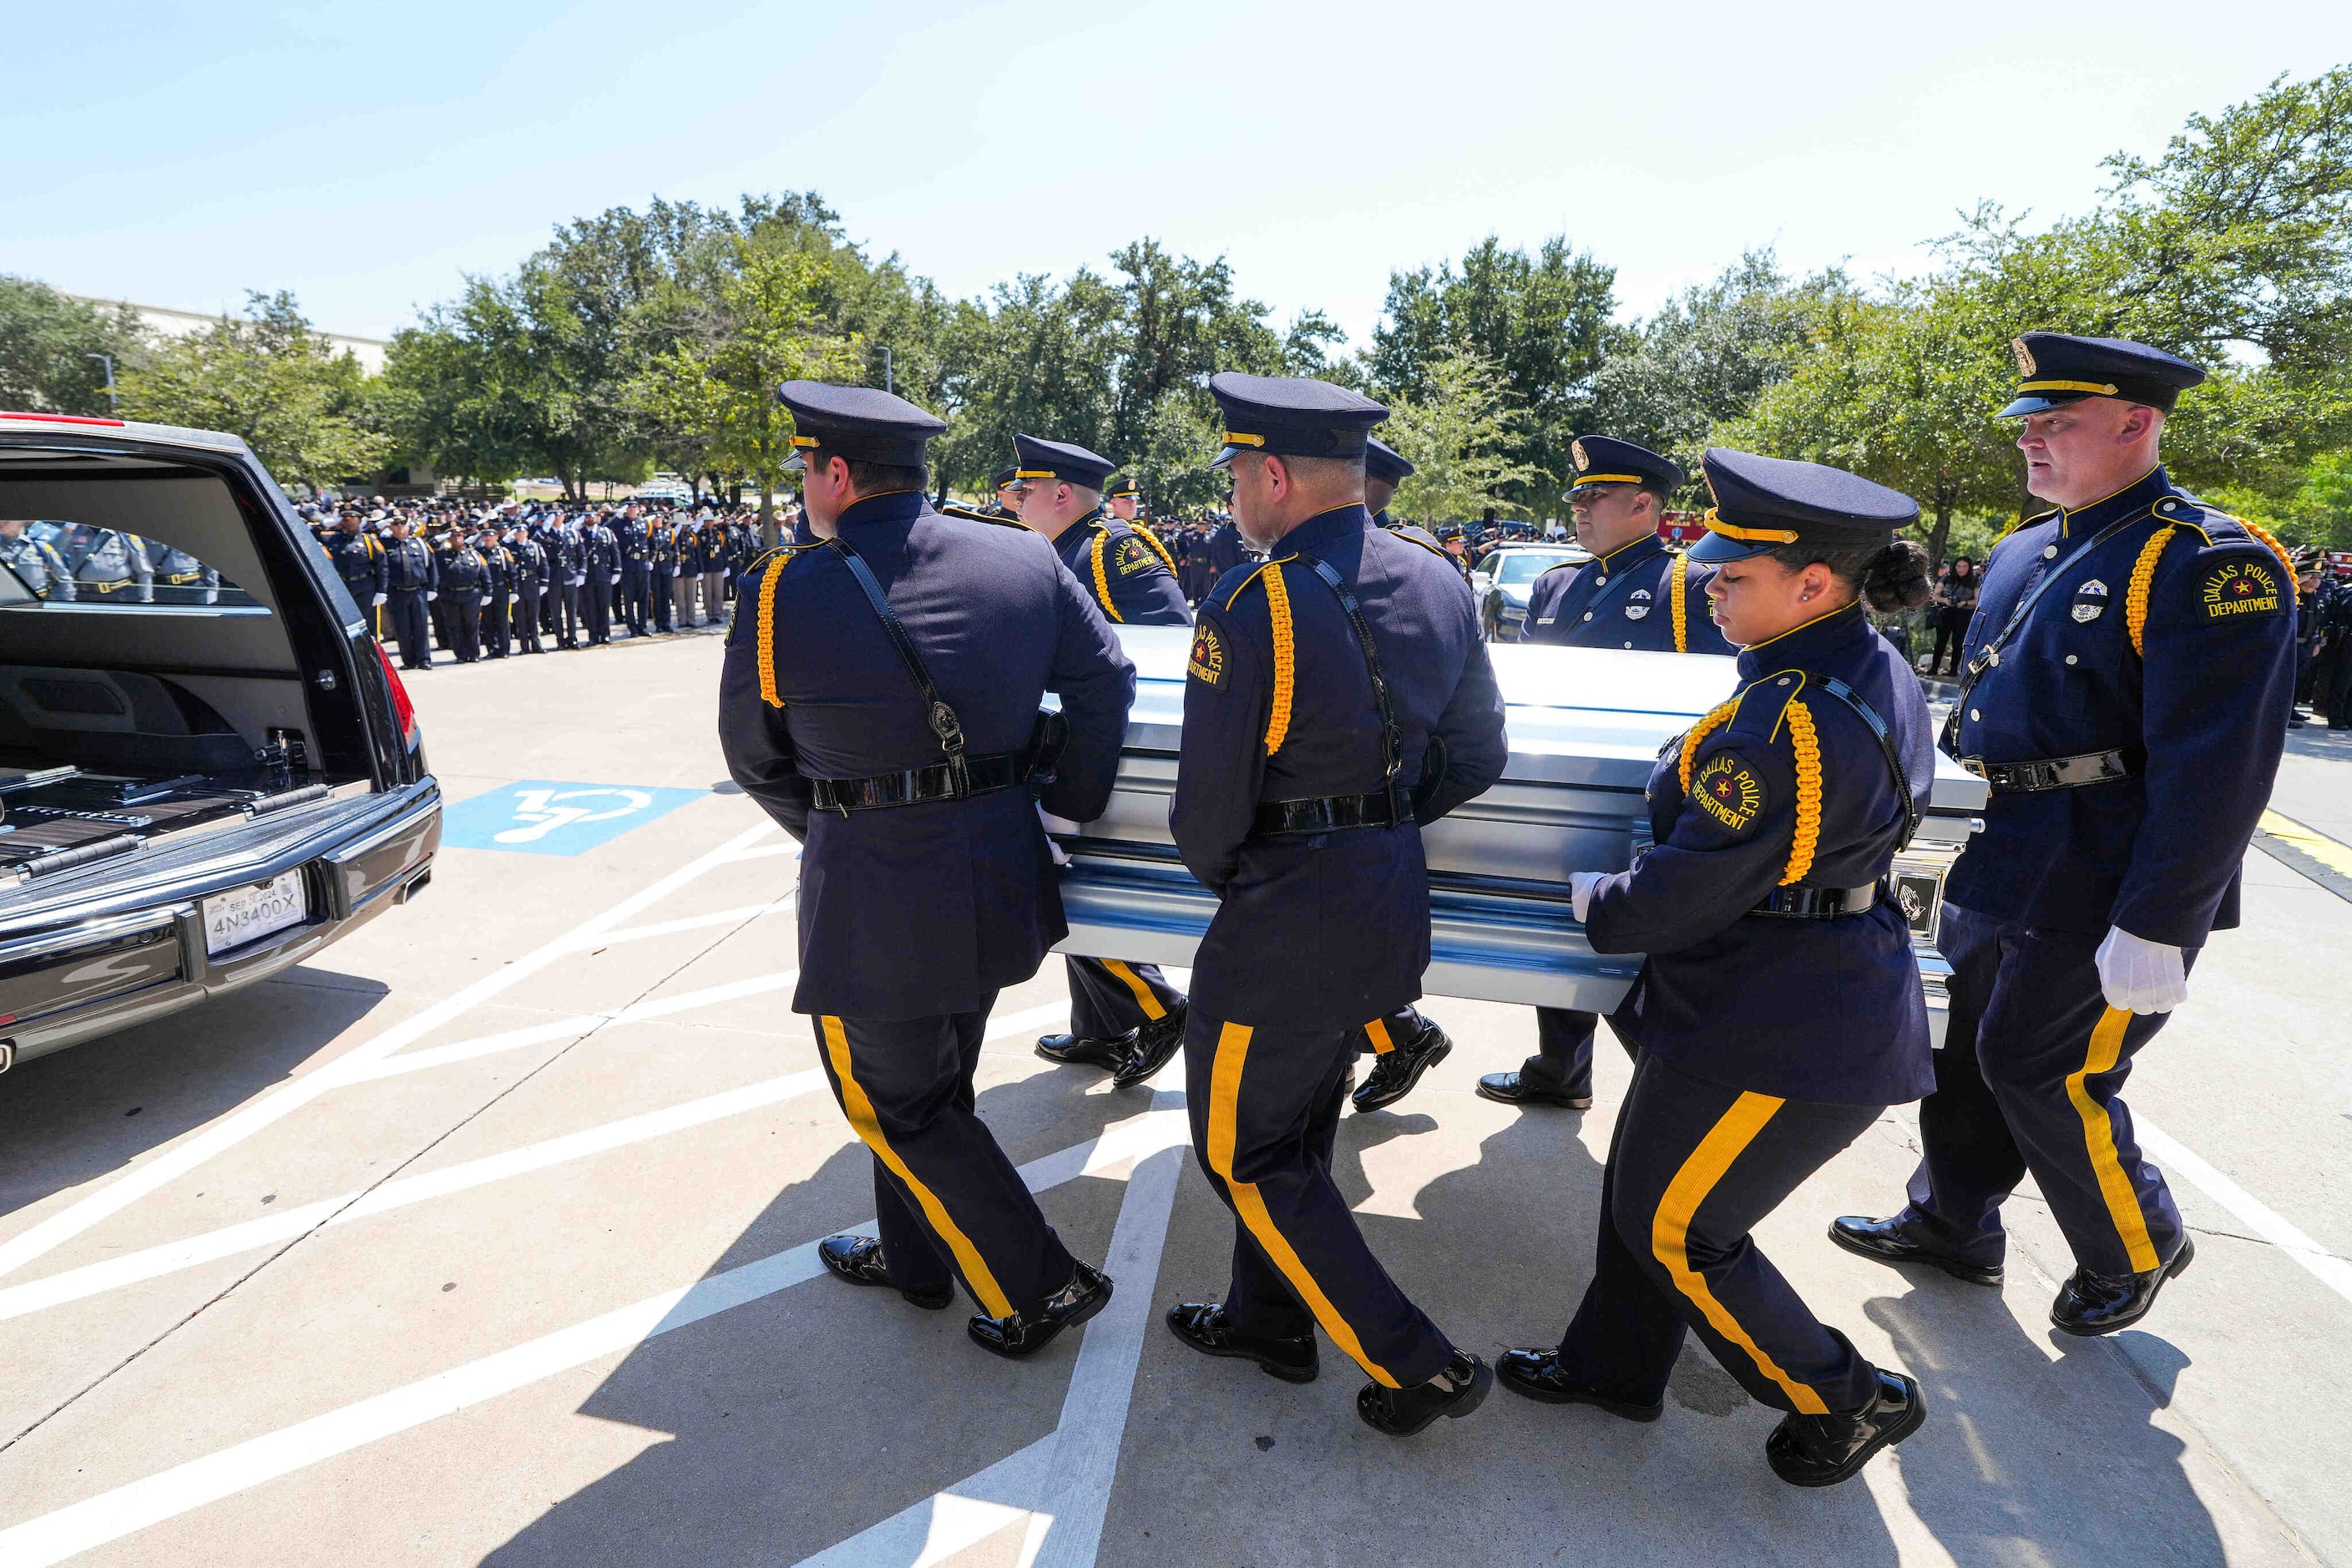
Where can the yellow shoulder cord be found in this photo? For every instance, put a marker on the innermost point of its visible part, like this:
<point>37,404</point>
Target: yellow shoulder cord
<point>2271,541</point>
<point>1285,661</point>
<point>1680,571</point>
<point>1808,747</point>
<point>1146,535</point>
<point>782,555</point>
<point>2143,574</point>
<point>1699,731</point>
<point>1102,578</point>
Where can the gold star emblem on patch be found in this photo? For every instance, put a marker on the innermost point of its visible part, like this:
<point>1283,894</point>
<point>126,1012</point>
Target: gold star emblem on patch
<point>2024,356</point>
<point>1576,450</point>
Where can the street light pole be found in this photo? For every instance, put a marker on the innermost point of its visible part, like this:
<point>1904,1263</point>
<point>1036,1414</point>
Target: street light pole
<point>887,386</point>
<point>112,401</point>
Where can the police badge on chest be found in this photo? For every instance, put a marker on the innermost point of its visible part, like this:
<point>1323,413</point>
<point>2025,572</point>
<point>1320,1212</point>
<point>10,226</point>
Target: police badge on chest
<point>2090,601</point>
<point>1637,604</point>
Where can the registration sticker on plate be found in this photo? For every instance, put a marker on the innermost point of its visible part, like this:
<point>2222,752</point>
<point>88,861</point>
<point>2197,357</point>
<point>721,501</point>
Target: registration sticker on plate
<point>248,914</point>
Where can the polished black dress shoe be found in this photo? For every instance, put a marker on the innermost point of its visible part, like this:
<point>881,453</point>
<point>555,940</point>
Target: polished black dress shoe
<point>1204,1327</point>
<point>2091,1304</point>
<point>1512,1089</point>
<point>1155,1042</point>
<point>1030,1329</point>
<point>1394,1072</point>
<point>1087,1050</point>
<point>1887,1241</point>
<point>1401,1412</point>
<point>1822,1450</point>
<point>858,1259</point>
<point>1535,1374</point>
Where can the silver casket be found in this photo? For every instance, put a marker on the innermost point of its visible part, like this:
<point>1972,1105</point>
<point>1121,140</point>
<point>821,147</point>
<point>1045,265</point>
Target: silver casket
<point>1586,726</point>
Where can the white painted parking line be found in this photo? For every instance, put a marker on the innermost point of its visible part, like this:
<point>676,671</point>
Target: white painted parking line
<point>153,1262</point>
<point>180,1159</point>
<point>691,922</point>
<point>2263,1220</point>
<point>130,1508</point>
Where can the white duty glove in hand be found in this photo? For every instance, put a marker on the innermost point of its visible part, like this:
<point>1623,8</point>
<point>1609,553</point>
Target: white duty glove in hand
<point>378,598</point>
<point>1055,825</point>
<point>514,598</point>
<point>2139,975</point>
<point>1579,886</point>
<point>430,595</point>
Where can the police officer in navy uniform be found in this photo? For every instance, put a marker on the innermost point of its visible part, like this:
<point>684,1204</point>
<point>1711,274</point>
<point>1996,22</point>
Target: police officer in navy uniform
<point>2131,668</point>
<point>1336,698</point>
<point>1406,1044</point>
<point>1778,1011</point>
<point>411,579</point>
<point>360,561</point>
<point>1123,498</point>
<point>1634,594</point>
<point>1123,1015</point>
<point>464,577</point>
<point>601,561</point>
<point>530,562</point>
<point>35,563</point>
<point>880,699</point>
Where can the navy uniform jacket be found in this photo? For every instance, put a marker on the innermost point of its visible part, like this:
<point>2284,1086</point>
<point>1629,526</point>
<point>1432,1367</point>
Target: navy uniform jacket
<point>1128,580</point>
<point>1413,531</point>
<point>1226,550</point>
<point>1627,598</point>
<point>464,571</point>
<point>175,568</point>
<point>43,570</point>
<point>529,563</point>
<point>411,566</point>
<point>360,562</point>
<point>916,910</point>
<point>1815,1010</point>
<point>2184,650</point>
<point>1323,932</point>
<point>601,552</point>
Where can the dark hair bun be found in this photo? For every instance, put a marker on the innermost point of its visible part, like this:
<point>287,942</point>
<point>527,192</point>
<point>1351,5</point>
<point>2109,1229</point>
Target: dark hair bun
<point>1896,577</point>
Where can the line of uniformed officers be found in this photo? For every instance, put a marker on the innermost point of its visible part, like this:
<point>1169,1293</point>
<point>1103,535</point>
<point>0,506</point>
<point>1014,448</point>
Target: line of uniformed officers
<point>2128,679</point>
<point>485,582</point>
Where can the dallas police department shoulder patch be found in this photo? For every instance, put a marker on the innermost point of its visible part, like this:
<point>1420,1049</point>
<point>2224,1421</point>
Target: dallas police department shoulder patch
<point>1207,664</point>
<point>1131,557</point>
<point>2238,588</point>
<point>1728,791</point>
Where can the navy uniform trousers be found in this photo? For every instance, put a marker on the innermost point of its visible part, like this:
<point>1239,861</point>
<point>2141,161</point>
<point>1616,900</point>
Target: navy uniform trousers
<point>404,613</point>
<point>948,1201</point>
<point>2029,1079</point>
<point>1385,1034</point>
<point>1263,1134</point>
<point>1110,996</point>
<point>1563,1060</point>
<point>1692,1166</point>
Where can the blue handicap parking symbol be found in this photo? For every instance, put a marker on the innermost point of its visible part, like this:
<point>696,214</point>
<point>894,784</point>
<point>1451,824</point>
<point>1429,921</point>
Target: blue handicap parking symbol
<point>538,816</point>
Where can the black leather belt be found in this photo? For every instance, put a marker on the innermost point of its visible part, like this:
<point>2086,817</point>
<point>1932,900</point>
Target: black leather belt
<point>920,786</point>
<point>2052,772</point>
<point>1329,814</point>
<point>1817,903</point>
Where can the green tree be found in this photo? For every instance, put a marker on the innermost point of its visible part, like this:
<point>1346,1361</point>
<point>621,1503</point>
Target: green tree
<point>1457,437</point>
<point>269,379</point>
<point>1543,321</point>
<point>46,339</point>
<point>720,380</point>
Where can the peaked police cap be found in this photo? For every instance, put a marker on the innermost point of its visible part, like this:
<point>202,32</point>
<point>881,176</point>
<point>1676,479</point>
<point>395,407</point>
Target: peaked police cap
<point>1763,503</point>
<point>1039,459</point>
<point>1291,415</point>
<point>2055,369</point>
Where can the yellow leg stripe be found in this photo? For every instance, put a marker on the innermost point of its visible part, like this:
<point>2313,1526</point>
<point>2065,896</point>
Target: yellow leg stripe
<point>1224,1093</point>
<point>1143,996</point>
<point>2336,857</point>
<point>869,1127</point>
<point>1379,1030</point>
<point>1670,1230</point>
<point>2099,1139</point>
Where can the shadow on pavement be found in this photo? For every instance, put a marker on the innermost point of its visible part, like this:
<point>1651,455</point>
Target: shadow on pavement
<point>94,1108</point>
<point>2024,1458</point>
<point>802,1418</point>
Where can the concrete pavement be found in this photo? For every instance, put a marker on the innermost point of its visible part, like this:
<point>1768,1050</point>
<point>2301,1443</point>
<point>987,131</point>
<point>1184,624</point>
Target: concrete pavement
<point>522,1272</point>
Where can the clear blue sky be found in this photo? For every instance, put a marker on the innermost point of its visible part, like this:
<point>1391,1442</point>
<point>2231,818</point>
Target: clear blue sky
<point>367,157</point>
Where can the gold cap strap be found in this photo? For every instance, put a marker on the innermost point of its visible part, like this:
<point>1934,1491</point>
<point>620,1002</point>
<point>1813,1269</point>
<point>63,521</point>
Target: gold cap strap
<point>1235,439</point>
<point>805,443</point>
<point>1747,535</point>
<point>2096,388</point>
<point>1584,479</point>
<point>1033,473</point>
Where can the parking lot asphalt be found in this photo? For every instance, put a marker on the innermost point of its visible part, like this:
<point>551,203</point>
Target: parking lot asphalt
<point>487,1237</point>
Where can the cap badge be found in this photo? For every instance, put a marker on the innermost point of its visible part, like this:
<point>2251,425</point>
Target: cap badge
<point>2025,366</point>
<point>1576,450</point>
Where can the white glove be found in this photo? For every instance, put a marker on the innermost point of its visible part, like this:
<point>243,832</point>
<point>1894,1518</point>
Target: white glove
<point>514,598</point>
<point>1580,885</point>
<point>378,598</point>
<point>616,577</point>
<point>1055,825</point>
<point>2139,975</point>
<point>430,595</point>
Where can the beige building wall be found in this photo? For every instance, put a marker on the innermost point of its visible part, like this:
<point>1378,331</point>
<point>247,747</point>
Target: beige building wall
<point>165,322</point>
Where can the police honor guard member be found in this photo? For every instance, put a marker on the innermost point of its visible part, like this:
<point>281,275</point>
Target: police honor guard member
<point>1779,1012</point>
<point>529,559</point>
<point>2130,673</point>
<point>1634,594</point>
<point>360,562</point>
<point>1125,1016</point>
<point>1405,1044</point>
<point>1336,698</point>
<point>880,699</point>
<point>411,580</point>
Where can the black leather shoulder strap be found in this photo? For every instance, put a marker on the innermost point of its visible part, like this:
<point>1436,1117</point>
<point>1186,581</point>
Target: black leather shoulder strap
<point>1869,716</point>
<point>1391,736</point>
<point>1990,655</point>
<point>943,720</point>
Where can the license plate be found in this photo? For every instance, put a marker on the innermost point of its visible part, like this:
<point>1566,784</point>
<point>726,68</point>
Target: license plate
<point>248,914</point>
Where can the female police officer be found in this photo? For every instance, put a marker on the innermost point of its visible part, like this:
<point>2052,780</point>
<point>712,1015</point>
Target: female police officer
<point>1780,1009</point>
